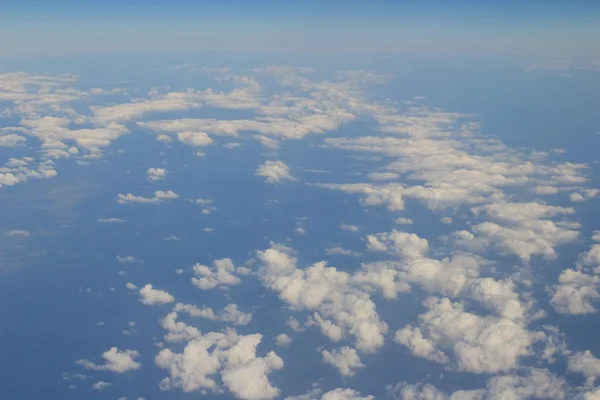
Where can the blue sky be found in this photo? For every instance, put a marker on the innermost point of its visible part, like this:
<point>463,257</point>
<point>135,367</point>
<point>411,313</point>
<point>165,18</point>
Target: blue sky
<point>556,28</point>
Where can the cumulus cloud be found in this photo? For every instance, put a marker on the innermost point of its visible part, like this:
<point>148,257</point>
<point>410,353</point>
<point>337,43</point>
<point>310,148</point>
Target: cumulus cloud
<point>578,289</point>
<point>222,274</point>
<point>197,139</point>
<point>345,359</point>
<point>535,384</point>
<point>231,313</point>
<point>339,308</point>
<point>283,340</point>
<point>151,296</point>
<point>228,355</point>
<point>274,172</point>
<point>478,344</point>
<point>156,174</point>
<point>586,364</point>
<point>115,360</point>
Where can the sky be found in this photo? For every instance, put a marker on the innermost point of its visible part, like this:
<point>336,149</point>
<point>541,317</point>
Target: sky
<point>556,28</point>
<point>299,200</point>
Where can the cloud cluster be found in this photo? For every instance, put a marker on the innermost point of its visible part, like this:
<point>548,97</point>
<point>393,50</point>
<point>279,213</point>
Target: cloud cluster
<point>221,275</point>
<point>159,197</point>
<point>227,355</point>
<point>274,172</point>
<point>115,360</point>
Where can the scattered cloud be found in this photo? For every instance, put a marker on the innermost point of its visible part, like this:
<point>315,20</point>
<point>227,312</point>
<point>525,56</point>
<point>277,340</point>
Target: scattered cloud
<point>110,220</point>
<point>345,359</point>
<point>151,296</point>
<point>283,340</point>
<point>156,174</point>
<point>274,172</point>
<point>222,274</point>
<point>18,233</point>
<point>114,361</point>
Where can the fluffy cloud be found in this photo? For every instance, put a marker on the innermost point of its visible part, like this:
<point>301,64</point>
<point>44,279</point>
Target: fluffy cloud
<point>156,174</point>
<point>220,275</point>
<point>345,359</point>
<point>151,296</point>
<point>340,308</point>
<point>114,361</point>
<point>535,384</point>
<point>478,344</point>
<point>579,288</point>
<point>283,340</point>
<point>231,313</point>
<point>12,140</point>
<point>228,354</point>
<point>274,172</point>
<point>586,364</point>
<point>197,139</point>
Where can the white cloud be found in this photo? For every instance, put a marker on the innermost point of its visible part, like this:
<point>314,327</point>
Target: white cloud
<point>340,251</point>
<point>522,229</point>
<point>584,195</point>
<point>114,361</point>
<point>220,275</point>
<point>383,176</point>
<point>128,259</point>
<point>349,228</point>
<point>156,174</point>
<point>151,296</point>
<point>283,340</point>
<point>274,172</point>
<point>340,308</point>
<point>231,313</point>
<point>18,233</point>
<point>159,196</point>
<point>403,221</point>
<point>575,293</point>
<point>478,344</point>
<point>267,141</point>
<point>300,231</point>
<point>197,139</point>
<point>534,384</point>
<point>101,385</point>
<point>335,394</point>
<point>586,364</point>
<point>231,146</point>
<point>12,140</point>
<point>228,354</point>
<point>578,289</point>
<point>446,220</point>
<point>345,359</point>
<point>131,286</point>
<point>110,220</point>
